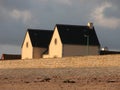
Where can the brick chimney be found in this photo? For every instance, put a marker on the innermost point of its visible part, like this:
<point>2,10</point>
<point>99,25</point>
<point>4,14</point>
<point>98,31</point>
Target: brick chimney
<point>90,25</point>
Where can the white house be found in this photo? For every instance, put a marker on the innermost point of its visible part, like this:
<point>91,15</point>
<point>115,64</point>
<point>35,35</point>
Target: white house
<point>73,40</point>
<point>36,43</point>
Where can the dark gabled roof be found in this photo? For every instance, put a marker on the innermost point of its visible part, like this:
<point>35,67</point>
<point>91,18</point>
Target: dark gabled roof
<point>40,38</point>
<point>75,34</point>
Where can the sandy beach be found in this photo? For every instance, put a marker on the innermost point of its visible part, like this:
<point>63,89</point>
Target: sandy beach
<point>107,78</point>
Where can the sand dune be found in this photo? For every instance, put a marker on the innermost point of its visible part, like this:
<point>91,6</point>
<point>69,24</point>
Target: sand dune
<point>64,78</point>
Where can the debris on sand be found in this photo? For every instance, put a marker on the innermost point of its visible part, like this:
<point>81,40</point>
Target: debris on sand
<point>68,81</point>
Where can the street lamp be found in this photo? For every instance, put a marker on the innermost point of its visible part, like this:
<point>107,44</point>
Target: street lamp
<point>87,36</point>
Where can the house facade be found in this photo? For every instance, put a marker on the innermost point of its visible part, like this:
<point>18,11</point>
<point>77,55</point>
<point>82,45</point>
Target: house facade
<point>35,43</point>
<point>73,40</point>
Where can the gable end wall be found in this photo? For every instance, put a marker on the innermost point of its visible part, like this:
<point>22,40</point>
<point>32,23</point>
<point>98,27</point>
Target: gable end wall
<point>27,52</point>
<point>55,50</point>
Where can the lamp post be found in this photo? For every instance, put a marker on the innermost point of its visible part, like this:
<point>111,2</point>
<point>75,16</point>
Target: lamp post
<point>87,36</point>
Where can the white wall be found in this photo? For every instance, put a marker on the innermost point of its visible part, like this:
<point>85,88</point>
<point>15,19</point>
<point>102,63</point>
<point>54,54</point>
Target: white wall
<point>27,52</point>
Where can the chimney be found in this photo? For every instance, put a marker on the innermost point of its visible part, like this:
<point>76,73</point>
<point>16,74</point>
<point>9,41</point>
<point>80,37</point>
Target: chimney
<point>90,25</point>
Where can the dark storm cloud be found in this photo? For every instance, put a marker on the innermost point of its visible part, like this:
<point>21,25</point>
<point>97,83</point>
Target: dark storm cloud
<point>116,2</point>
<point>71,13</point>
<point>12,29</point>
<point>11,33</point>
<point>112,13</point>
<point>114,10</point>
<point>15,4</point>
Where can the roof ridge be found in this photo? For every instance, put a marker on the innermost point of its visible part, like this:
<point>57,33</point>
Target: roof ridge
<point>71,25</point>
<point>38,29</point>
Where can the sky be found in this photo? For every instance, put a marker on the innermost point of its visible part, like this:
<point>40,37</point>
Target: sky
<point>16,16</point>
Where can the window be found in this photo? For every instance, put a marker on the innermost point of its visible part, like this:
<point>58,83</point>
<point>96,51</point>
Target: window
<point>55,41</point>
<point>27,44</point>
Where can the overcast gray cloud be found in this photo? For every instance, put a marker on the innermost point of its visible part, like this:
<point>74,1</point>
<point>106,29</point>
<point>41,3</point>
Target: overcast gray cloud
<point>104,20</point>
<point>18,15</point>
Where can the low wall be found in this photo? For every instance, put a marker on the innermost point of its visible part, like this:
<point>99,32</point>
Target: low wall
<point>74,62</point>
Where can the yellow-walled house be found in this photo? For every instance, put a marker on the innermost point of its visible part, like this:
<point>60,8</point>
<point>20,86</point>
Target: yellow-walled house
<point>36,43</point>
<point>73,40</point>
